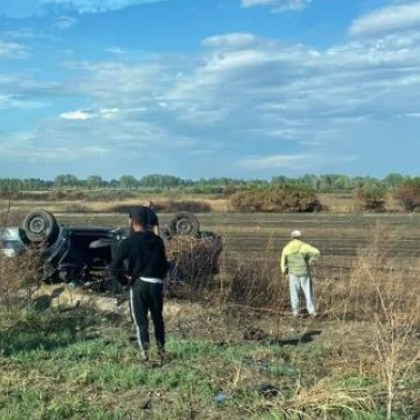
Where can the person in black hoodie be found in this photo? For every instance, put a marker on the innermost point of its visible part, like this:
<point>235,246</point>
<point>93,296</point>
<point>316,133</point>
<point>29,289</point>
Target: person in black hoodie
<point>147,267</point>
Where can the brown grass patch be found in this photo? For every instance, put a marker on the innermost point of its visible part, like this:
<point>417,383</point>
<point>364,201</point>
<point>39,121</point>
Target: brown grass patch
<point>195,263</point>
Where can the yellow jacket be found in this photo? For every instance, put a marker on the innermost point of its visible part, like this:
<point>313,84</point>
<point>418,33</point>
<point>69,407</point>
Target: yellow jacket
<point>296,258</point>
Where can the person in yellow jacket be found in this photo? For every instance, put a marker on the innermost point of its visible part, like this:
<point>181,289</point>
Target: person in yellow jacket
<point>295,262</point>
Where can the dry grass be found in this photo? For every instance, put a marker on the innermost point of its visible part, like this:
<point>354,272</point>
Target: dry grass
<point>166,205</point>
<point>11,218</point>
<point>365,361</point>
<point>107,203</point>
<point>347,203</point>
<point>18,275</point>
<point>195,263</point>
<point>258,283</point>
<point>374,292</point>
<point>336,376</point>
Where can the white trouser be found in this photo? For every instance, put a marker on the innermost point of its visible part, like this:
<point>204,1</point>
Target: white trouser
<point>305,283</point>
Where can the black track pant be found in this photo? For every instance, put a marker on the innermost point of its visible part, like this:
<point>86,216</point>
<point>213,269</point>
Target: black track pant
<point>145,297</point>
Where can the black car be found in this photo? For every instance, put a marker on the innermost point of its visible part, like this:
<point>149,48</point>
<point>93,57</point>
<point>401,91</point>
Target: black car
<point>81,255</point>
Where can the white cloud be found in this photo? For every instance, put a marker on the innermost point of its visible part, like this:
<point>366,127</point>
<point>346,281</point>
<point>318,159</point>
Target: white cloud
<point>413,115</point>
<point>232,40</point>
<point>387,19</point>
<point>296,163</point>
<point>274,162</point>
<point>11,101</point>
<point>88,114</point>
<point>96,6</point>
<point>31,147</point>
<point>79,115</point>
<point>64,23</point>
<point>261,103</point>
<point>279,6</point>
<point>243,90</point>
<point>116,50</point>
<point>12,50</point>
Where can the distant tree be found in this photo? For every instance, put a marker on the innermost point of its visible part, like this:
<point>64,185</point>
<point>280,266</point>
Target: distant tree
<point>160,181</point>
<point>371,197</point>
<point>127,182</point>
<point>409,194</point>
<point>307,181</point>
<point>94,182</point>
<point>67,181</point>
<point>326,182</point>
<point>394,181</point>
<point>114,183</point>
<point>280,179</point>
<point>341,182</point>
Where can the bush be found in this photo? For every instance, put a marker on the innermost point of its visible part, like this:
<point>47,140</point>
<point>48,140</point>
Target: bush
<point>371,198</point>
<point>17,274</point>
<point>409,194</point>
<point>11,218</point>
<point>195,263</point>
<point>284,198</point>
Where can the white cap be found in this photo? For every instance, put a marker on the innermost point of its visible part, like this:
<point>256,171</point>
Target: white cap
<point>296,234</point>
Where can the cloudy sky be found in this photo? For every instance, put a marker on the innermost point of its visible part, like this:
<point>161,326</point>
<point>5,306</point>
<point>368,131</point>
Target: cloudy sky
<point>209,88</point>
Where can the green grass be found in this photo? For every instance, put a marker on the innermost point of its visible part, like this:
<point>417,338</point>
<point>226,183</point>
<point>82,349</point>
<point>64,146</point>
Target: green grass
<point>82,365</point>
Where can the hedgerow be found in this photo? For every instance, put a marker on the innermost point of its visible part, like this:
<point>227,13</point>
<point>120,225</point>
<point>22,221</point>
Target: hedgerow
<point>282,198</point>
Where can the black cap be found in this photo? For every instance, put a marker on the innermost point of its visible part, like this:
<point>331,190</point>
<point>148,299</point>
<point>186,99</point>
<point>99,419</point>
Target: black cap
<point>139,214</point>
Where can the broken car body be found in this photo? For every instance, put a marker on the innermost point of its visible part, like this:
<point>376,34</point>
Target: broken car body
<point>81,255</point>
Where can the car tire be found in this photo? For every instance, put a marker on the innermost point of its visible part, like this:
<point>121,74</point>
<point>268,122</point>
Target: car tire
<point>40,225</point>
<point>184,223</point>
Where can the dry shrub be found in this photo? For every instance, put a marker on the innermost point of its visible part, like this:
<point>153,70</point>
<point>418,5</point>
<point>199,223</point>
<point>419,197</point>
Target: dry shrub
<point>376,279</point>
<point>257,283</point>
<point>384,291</point>
<point>11,218</point>
<point>194,262</point>
<point>371,198</point>
<point>18,274</point>
<point>409,194</point>
<point>326,400</point>
<point>284,198</point>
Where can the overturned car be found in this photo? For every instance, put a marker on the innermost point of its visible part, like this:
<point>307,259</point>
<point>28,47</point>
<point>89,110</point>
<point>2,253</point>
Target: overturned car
<point>81,255</point>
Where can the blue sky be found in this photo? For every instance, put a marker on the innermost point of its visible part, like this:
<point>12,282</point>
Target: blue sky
<point>209,88</point>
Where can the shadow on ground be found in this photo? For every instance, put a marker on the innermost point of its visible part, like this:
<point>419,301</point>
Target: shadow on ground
<point>256,334</point>
<point>303,339</point>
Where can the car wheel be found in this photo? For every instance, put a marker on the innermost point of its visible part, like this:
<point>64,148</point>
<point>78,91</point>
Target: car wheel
<point>184,224</point>
<point>40,225</point>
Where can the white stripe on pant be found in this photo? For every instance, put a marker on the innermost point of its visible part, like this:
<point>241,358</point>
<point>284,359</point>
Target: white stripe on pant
<point>305,283</point>
<point>133,316</point>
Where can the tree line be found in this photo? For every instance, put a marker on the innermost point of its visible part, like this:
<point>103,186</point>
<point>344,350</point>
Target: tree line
<point>159,182</point>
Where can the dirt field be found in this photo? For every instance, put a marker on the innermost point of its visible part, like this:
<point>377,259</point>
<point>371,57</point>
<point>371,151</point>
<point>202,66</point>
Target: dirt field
<point>338,236</point>
<point>359,359</point>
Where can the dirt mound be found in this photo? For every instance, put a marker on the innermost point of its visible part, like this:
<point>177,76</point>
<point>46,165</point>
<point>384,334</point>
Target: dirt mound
<point>64,298</point>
